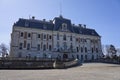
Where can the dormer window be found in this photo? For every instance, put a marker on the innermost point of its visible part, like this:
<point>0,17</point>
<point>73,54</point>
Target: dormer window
<point>26,23</point>
<point>64,27</point>
<point>44,27</point>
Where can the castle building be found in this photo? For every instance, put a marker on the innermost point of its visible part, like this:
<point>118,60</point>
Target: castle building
<point>57,38</point>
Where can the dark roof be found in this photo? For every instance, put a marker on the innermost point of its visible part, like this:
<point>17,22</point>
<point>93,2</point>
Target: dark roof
<point>49,25</point>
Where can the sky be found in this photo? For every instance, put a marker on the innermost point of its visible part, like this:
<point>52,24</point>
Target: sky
<point>101,15</point>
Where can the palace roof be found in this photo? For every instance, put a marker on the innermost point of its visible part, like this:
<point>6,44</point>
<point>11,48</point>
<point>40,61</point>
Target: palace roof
<point>55,25</point>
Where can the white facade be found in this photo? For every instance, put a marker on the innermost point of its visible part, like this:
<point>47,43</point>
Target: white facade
<point>41,43</point>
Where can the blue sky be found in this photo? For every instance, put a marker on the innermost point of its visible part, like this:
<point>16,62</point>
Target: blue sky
<point>101,15</point>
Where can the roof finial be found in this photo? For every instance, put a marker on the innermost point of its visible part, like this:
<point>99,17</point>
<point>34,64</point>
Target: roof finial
<point>60,8</point>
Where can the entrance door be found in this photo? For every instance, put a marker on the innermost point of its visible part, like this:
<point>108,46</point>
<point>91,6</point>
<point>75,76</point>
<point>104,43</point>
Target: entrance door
<point>65,56</point>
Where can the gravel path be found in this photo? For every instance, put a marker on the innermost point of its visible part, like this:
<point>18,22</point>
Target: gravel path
<point>89,71</point>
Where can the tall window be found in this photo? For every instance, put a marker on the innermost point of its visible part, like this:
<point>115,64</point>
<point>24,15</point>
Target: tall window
<point>20,46</point>
<point>41,45</point>
<point>71,38</point>
<point>50,47</point>
<point>38,35</point>
<point>71,46</point>
<point>44,36</point>
<point>96,50</point>
<point>81,49</point>
<point>29,35</point>
<point>44,47</point>
<point>50,37</point>
<point>21,34</point>
<point>58,45</point>
<point>77,49</point>
<point>65,45</point>
<point>38,47</point>
<point>28,46</point>
<point>92,50</point>
<point>57,36</point>
<point>85,50</point>
<point>25,35</point>
<point>64,37</point>
<point>64,26</point>
<point>47,36</point>
<point>24,44</point>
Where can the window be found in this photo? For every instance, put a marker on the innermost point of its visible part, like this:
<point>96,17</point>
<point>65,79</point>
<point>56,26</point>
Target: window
<point>64,26</point>
<point>65,45</point>
<point>44,47</point>
<point>57,36</point>
<point>92,50</point>
<point>20,46</point>
<point>50,37</point>
<point>41,45</point>
<point>21,34</point>
<point>77,49</point>
<point>38,35</point>
<point>24,44</point>
<point>85,49</point>
<point>71,38</point>
<point>76,39</point>
<point>50,47</point>
<point>38,47</point>
<point>71,46</point>
<point>28,46</point>
<point>29,35</point>
<point>26,23</point>
<point>96,50</point>
<point>85,57</point>
<point>25,35</point>
<point>44,36</point>
<point>58,45</point>
<point>81,49</point>
<point>64,37</point>
<point>47,36</point>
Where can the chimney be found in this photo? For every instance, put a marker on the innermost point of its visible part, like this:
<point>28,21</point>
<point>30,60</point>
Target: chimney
<point>50,21</point>
<point>33,17</point>
<point>84,26</point>
<point>79,25</point>
<point>44,20</point>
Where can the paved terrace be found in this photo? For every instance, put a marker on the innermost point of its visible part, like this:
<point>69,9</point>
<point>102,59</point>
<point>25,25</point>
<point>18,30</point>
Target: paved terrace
<point>89,71</point>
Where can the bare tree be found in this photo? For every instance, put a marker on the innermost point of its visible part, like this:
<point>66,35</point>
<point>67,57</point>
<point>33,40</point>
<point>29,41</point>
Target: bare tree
<point>3,50</point>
